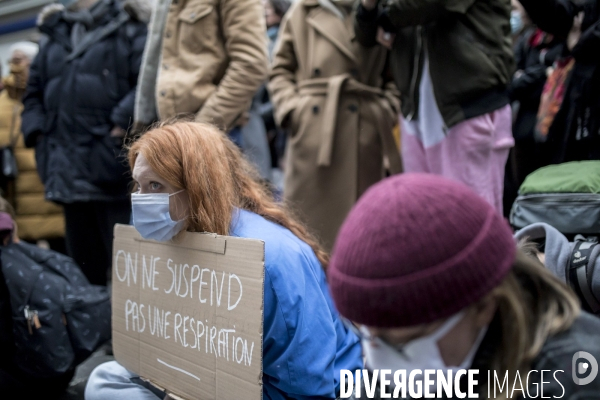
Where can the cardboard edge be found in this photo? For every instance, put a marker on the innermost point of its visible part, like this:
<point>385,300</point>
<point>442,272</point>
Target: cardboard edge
<point>262,322</point>
<point>168,392</point>
<point>217,246</point>
<point>130,232</point>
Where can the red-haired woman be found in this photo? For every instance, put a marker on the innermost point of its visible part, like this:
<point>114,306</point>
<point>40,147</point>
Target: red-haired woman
<point>210,187</point>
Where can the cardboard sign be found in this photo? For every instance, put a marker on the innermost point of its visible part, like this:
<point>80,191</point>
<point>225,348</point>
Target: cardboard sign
<point>188,314</point>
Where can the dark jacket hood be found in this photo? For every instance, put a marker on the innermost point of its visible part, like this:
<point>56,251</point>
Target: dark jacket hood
<point>557,247</point>
<point>557,253</point>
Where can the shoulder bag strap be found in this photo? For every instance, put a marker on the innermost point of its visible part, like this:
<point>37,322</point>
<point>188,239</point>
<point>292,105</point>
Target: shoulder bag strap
<point>578,276</point>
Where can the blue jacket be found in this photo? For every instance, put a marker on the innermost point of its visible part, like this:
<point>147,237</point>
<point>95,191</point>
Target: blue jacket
<point>305,344</point>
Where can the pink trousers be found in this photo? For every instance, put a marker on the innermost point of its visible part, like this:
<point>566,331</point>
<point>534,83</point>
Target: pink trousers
<point>473,152</point>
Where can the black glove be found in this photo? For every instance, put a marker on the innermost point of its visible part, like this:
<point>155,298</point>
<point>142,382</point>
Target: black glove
<point>384,21</point>
<point>549,55</point>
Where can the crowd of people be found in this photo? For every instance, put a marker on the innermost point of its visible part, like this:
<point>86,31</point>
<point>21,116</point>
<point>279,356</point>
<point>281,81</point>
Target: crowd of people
<point>275,120</point>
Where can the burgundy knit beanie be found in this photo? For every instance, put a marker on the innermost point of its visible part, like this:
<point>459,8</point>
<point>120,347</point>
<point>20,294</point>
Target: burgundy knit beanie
<point>417,248</point>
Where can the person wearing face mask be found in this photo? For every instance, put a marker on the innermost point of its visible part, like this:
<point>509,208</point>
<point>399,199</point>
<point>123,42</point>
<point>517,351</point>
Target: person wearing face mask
<point>430,276</point>
<point>78,104</point>
<point>574,131</point>
<point>519,21</point>
<point>190,177</point>
<point>38,219</point>
<point>535,54</point>
<point>516,22</point>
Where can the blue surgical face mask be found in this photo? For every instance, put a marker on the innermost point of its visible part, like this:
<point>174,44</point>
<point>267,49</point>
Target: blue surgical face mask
<point>516,22</point>
<point>151,216</point>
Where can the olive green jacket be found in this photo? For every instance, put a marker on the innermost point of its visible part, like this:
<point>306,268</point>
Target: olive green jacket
<point>468,45</point>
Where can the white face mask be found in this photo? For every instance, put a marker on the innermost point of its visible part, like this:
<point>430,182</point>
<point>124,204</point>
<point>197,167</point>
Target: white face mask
<point>151,216</point>
<point>421,353</point>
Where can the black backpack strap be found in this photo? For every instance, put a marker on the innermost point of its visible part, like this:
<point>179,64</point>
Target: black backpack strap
<point>580,269</point>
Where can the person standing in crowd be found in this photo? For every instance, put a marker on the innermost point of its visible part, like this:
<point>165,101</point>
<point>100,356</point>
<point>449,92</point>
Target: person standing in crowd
<point>332,95</point>
<point>535,53</point>
<point>519,21</point>
<point>78,103</point>
<point>429,275</point>
<point>38,220</point>
<point>205,58</point>
<point>274,12</point>
<point>208,186</point>
<point>260,135</point>
<point>453,62</point>
<point>574,134</point>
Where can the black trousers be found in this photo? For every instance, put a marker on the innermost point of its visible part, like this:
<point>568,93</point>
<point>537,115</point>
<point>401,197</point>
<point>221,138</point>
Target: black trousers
<point>89,235</point>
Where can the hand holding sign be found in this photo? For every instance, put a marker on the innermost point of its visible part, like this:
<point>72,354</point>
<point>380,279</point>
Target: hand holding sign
<point>190,311</point>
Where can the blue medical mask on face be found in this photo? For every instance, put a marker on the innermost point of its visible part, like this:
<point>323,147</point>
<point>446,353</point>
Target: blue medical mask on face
<point>151,217</point>
<point>516,22</point>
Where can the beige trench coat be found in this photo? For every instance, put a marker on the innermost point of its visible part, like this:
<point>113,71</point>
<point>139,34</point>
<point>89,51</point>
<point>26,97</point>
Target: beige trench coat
<point>329,91</point>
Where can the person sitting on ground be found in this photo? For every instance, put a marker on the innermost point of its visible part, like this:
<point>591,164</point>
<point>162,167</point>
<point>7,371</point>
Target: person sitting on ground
<point>430,276</point>
<point>211,187</point>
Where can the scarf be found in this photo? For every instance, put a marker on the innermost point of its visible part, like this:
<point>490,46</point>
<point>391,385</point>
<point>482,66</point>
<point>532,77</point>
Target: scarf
<point>540,37</point>
<point>85,20</point>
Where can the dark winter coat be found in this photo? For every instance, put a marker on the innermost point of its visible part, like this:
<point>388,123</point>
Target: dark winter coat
<point>575,132</point>
<point>467,44</point>
<point>77,94</point>
<point>532,59</point>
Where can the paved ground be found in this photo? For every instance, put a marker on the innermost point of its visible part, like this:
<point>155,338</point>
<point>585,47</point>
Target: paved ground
<point>77,386</point>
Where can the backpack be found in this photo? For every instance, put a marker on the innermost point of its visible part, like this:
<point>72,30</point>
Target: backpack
<point>59,319</point>
<point>582,266</point>
<point>566,196</point>
<point>576,263</point>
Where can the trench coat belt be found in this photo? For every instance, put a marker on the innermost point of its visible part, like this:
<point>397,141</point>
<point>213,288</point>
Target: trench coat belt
<point>332,88</point>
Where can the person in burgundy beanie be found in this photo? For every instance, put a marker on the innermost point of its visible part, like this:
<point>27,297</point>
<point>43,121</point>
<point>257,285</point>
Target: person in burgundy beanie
<point>429,276</point>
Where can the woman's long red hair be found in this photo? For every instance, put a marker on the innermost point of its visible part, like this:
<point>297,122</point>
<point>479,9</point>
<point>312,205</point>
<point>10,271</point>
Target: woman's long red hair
<point>201,159</point>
